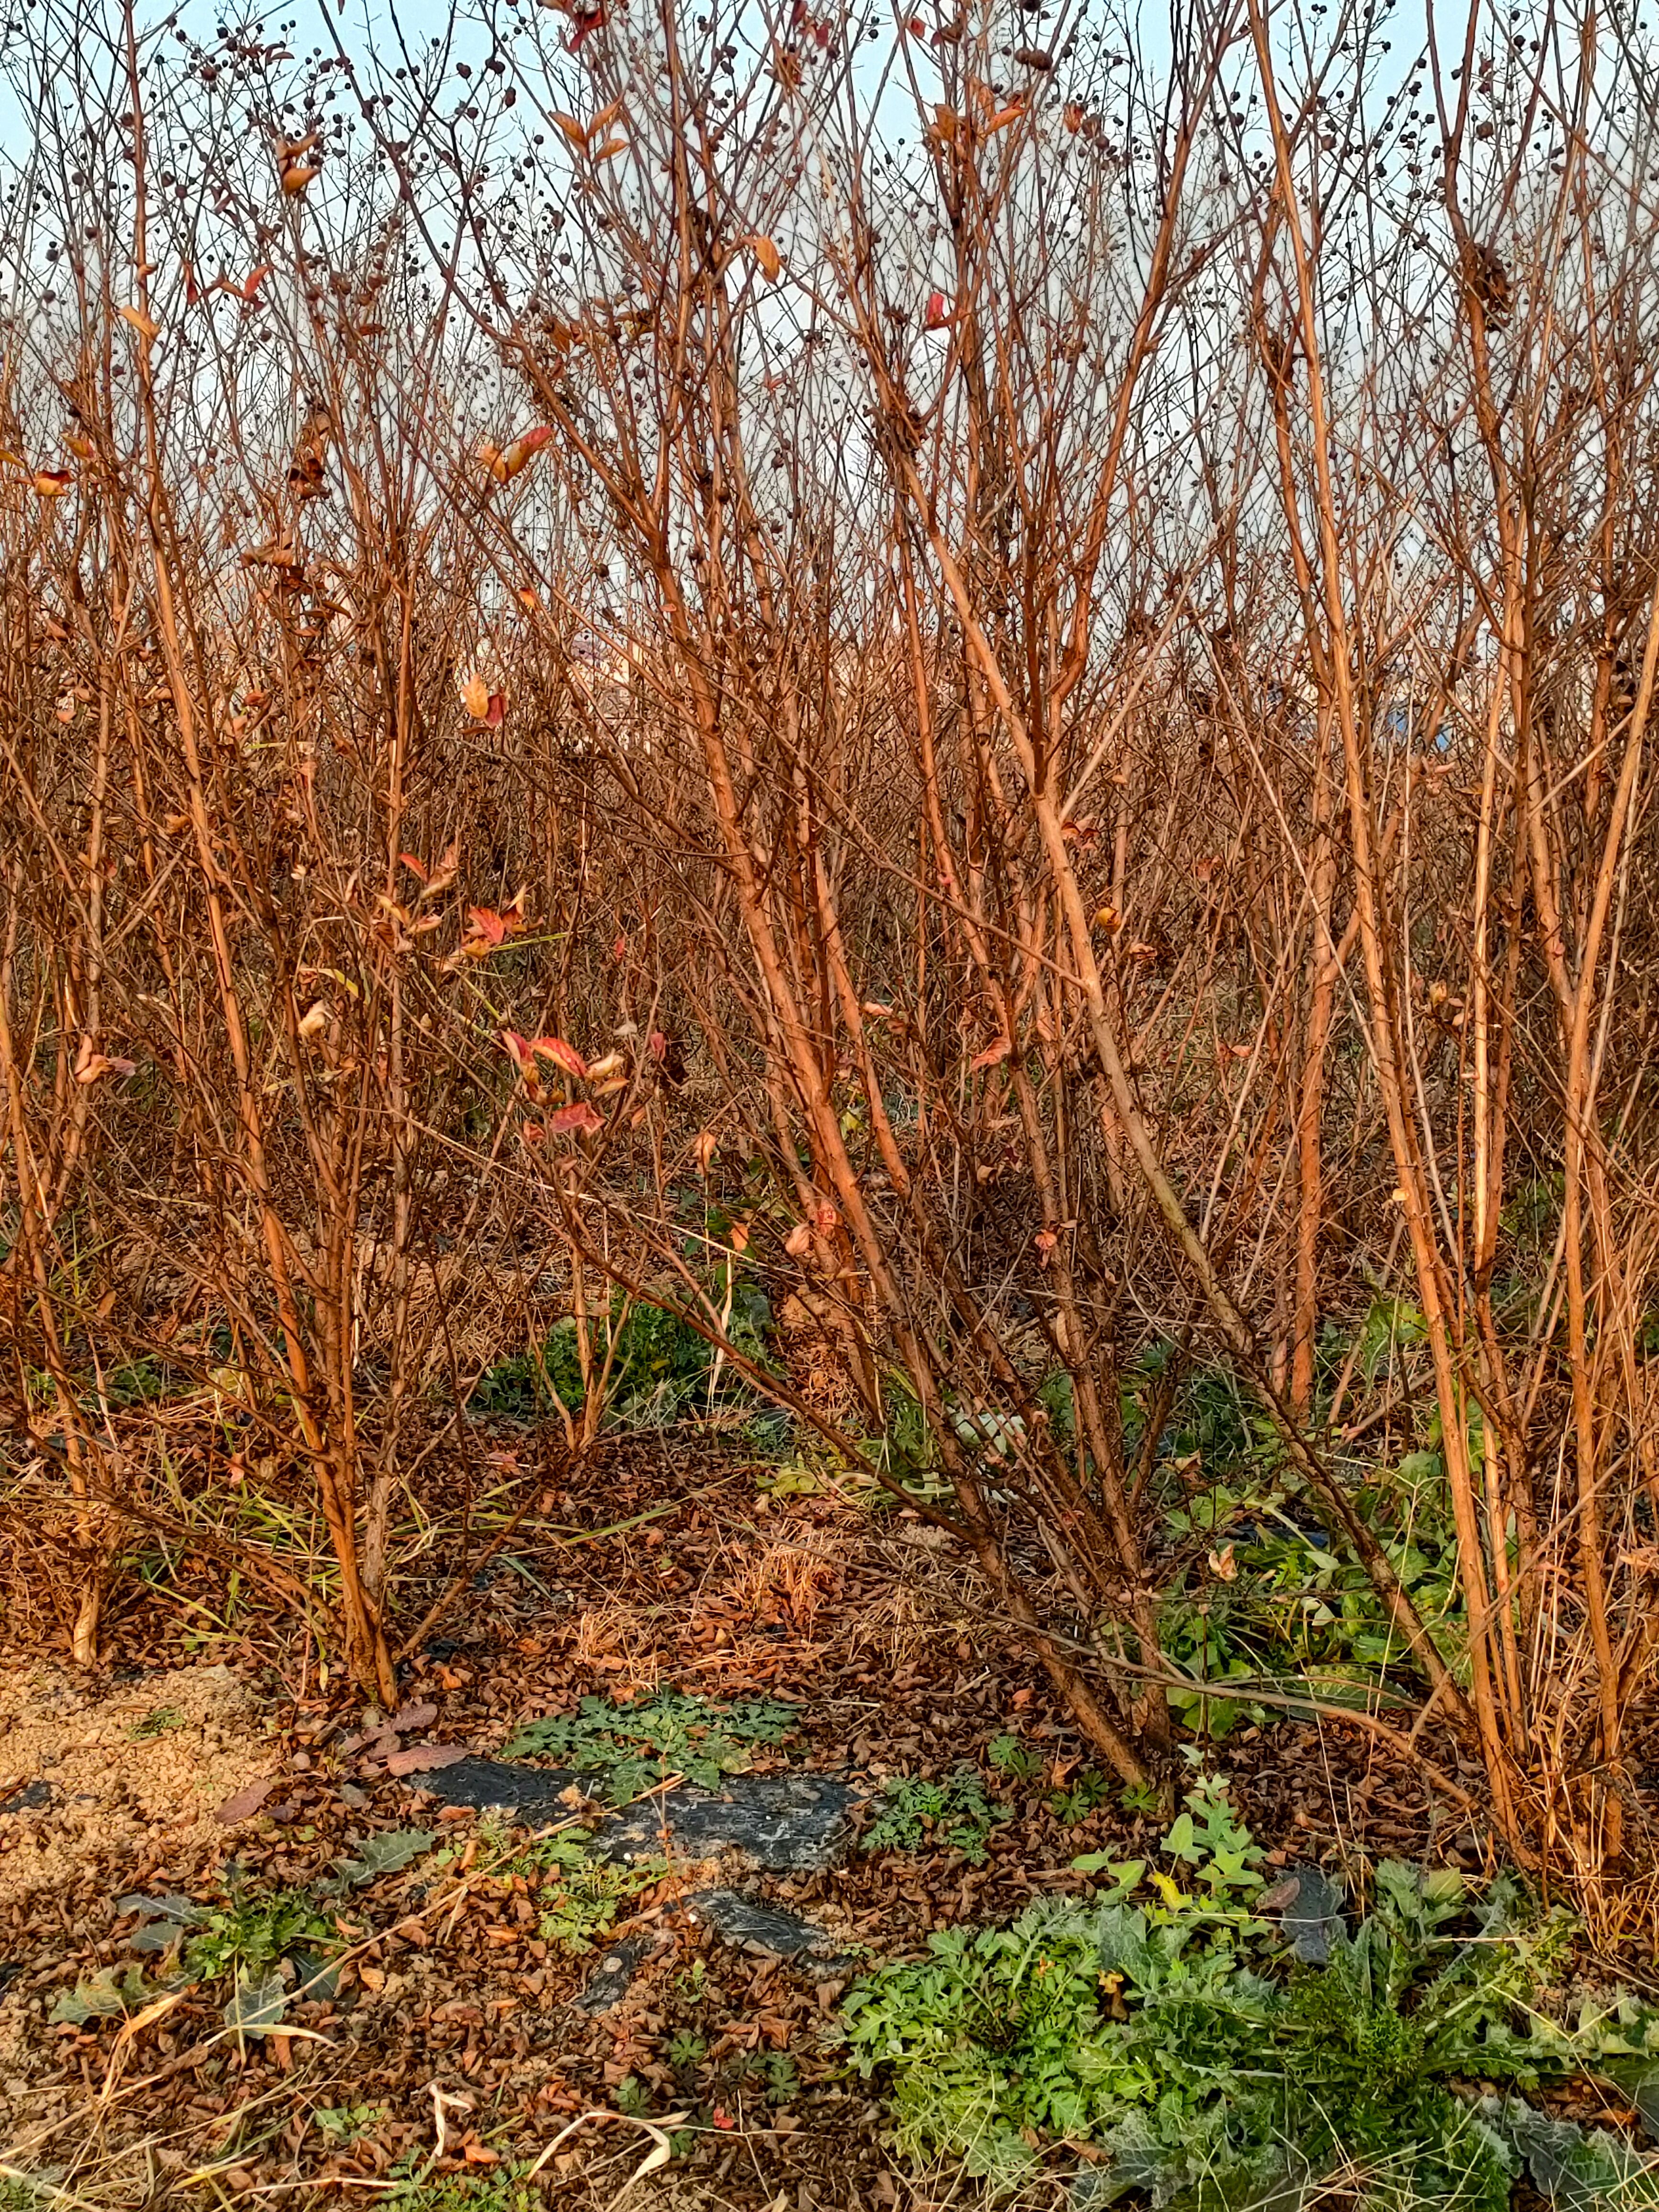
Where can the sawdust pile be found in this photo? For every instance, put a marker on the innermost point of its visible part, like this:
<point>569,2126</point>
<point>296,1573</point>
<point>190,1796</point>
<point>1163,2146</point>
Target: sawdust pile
<point>88,1773</point>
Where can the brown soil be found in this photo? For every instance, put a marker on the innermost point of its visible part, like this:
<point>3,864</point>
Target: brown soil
<point>128,1767</point>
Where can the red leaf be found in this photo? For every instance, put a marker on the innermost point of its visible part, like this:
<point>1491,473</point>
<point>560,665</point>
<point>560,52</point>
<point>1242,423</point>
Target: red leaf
<point>497,710</point>
<point>488,924</point>
<point>424,1758</point>
<point>555,1049</point>
<point>939,313</point>
<point>579,1116</point>
<point>993,1054</point>
<point>246,1803</point>
<point>521,1050</point>
<point>409,861</point>
<point>657,1045</point>
<point>722,2119</point>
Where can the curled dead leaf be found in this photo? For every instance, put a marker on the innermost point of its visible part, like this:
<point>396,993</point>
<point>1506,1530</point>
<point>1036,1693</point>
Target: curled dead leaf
<point>767,257</point>
<point>522,451</point>
<point>90,1063</point>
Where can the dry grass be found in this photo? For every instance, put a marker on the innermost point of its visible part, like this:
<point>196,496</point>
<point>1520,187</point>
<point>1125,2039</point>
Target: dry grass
<point>786,1577</point>
<point>931,1594</point>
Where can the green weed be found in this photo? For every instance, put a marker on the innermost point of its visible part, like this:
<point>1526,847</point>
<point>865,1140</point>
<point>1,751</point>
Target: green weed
<point>1206,2066</point>
<point>1275,1605</point>
<point>110,1993</point>
<point>950,1814</point>
<point>343,2124</point>
<point>636,1747</point>
<point>1074,1803</point>
<point>137,1382</point>
<point>580,1897</point>
<point>503,2189</point>
<point>247,1937</point>
<point>161,1721</point>
<point>658,1366</point>
<point>1010,1757</point>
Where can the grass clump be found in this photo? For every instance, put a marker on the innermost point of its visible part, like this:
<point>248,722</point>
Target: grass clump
<point>652,1367</point>
<point>950,1814</point>
<point>636,1747</point>
<point>1205,2065</point>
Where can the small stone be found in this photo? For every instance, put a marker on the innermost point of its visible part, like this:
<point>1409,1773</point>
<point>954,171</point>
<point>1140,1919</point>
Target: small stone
<point>784,1823</point>
<point>28,1799</point>
<point>741,1919</point>
<point>352,1795</point>
<point>607,1984</point>
<point>1309,1907</point>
